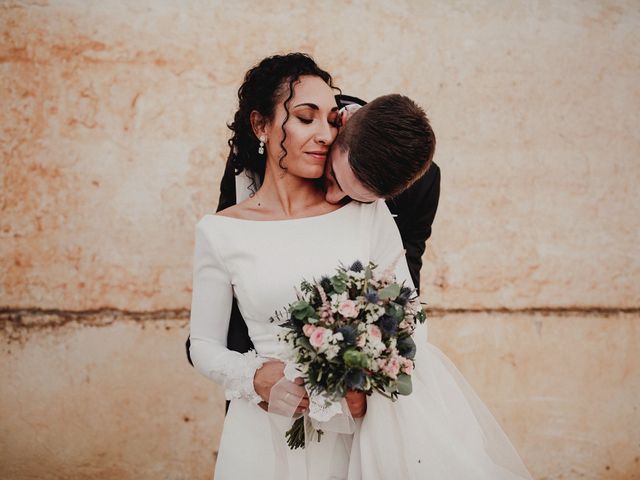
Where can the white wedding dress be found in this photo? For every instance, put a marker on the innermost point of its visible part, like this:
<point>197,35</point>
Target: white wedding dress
<point>441,431</point>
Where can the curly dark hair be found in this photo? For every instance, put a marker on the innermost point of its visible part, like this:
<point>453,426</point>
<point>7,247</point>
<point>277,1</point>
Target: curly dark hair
<point>264,85</point>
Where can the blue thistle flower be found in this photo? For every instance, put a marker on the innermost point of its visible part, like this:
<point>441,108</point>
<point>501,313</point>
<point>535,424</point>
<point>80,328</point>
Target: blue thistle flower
<point>388,325</point>
<point>348,335</point>
<point>356,266</point>
<point>325,283</point>
<point>405,296</point>
<point>371,296</point>
<point>355,378</point>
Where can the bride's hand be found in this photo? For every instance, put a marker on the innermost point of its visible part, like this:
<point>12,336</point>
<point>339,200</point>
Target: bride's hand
<point>271,373</point>
<point>357,402</point>
<point>266,377</point>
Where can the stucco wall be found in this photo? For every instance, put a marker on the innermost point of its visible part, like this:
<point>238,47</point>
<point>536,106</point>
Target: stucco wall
<point>113,141</point>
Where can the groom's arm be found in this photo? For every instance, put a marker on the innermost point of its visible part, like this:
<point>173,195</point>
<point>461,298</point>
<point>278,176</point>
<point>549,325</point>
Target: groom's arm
<point>415,210</point>
<point>227,188</point>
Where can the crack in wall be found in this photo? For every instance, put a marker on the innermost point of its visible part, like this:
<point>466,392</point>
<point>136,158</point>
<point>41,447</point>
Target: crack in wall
<point>573,311</point>
<point>16,322</point>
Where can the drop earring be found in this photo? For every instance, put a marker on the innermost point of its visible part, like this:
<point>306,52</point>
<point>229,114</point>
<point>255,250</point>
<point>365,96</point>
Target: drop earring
<point>261,146</point>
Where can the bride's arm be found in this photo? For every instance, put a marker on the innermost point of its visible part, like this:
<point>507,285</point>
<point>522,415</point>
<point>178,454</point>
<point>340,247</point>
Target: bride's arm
<point>210,312</point>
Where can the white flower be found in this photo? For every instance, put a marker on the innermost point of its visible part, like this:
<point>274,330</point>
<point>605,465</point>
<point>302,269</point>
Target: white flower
<point>332,351</point>
<point>338,298</point>
<point>374,312</point>
<point>357,275</point>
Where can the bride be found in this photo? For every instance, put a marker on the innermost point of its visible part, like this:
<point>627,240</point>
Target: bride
<point>258,250</point>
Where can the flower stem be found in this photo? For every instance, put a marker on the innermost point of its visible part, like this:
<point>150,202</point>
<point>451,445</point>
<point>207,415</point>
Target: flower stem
<point>295,435</point>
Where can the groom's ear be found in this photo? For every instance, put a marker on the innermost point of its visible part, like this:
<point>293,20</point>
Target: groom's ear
<point>258,124</point>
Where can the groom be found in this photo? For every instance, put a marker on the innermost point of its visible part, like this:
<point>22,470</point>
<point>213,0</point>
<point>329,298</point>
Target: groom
<point>383,151</point>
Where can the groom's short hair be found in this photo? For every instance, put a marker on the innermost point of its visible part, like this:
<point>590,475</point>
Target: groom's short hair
<point>390,144</point>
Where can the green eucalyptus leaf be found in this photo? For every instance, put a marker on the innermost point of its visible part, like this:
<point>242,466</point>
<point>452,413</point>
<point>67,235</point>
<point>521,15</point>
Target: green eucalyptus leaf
<point>404,384</point>
<point>299,306</point>
<point>339,284</point>
<point>390,291</point>
<point>396,311</point>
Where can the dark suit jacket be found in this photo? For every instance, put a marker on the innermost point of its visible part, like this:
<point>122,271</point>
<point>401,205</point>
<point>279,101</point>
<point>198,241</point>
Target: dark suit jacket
<point>414,211</point>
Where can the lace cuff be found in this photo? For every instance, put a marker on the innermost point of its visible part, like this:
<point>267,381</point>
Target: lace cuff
<point>238,377</point>
<point>322,409</point>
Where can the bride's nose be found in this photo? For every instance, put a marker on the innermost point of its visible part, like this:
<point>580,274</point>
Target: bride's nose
<point>325,134</point>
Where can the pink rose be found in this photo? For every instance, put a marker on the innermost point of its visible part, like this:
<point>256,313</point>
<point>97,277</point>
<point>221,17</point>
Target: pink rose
<point>308,329</point>
<point>361,341</point>
<point>407,366</point>
<point>374,333</point>
<point>348,309</point>
<point>318,336</point>
<point>391,367</point>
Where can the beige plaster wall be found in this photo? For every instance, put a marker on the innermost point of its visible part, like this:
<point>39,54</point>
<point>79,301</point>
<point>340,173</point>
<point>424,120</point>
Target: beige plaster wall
<point>112,143</point>
<point>115,398</point>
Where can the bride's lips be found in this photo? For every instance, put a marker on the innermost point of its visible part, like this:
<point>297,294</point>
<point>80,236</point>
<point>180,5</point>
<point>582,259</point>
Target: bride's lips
<point>318,155</point>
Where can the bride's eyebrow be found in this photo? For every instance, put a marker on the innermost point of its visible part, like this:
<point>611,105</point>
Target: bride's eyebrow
<point>314,106</point>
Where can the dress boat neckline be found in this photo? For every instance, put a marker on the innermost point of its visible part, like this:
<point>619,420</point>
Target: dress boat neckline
<point>283,220</point>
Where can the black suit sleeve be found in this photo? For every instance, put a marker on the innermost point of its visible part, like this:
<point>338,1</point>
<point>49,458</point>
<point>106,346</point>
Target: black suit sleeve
<point>227,188</point>
<point>415,210</point>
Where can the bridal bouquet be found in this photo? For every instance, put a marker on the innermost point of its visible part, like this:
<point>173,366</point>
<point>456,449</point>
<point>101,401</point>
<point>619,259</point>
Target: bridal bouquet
<point>350,331</point>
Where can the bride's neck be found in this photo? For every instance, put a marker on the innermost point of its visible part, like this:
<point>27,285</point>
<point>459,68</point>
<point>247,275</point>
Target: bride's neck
<point>288,195</point>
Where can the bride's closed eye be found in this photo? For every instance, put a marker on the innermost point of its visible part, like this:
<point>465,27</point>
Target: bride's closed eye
<point>335,122</point>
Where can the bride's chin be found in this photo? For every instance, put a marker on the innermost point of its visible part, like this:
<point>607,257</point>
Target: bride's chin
<point>311,172</point>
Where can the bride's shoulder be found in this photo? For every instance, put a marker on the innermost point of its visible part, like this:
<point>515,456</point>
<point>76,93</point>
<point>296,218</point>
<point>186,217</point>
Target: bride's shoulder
<point>217,226</point>
<point>239,211</point>
<point>234,211</point>
<point>376,208</point>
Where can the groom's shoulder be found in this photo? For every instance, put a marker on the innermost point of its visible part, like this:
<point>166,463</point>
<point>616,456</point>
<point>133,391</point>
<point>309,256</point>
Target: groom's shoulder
<point>422,194</point>
<point>427,182</point>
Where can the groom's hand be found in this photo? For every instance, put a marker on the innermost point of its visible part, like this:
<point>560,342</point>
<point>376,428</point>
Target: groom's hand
<point>271,373</point>
<point>347,112</point>
<point>357,402</point>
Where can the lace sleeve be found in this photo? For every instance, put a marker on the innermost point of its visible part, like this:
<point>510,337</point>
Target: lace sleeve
<point>237,377</point>
<point>210,312</point>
